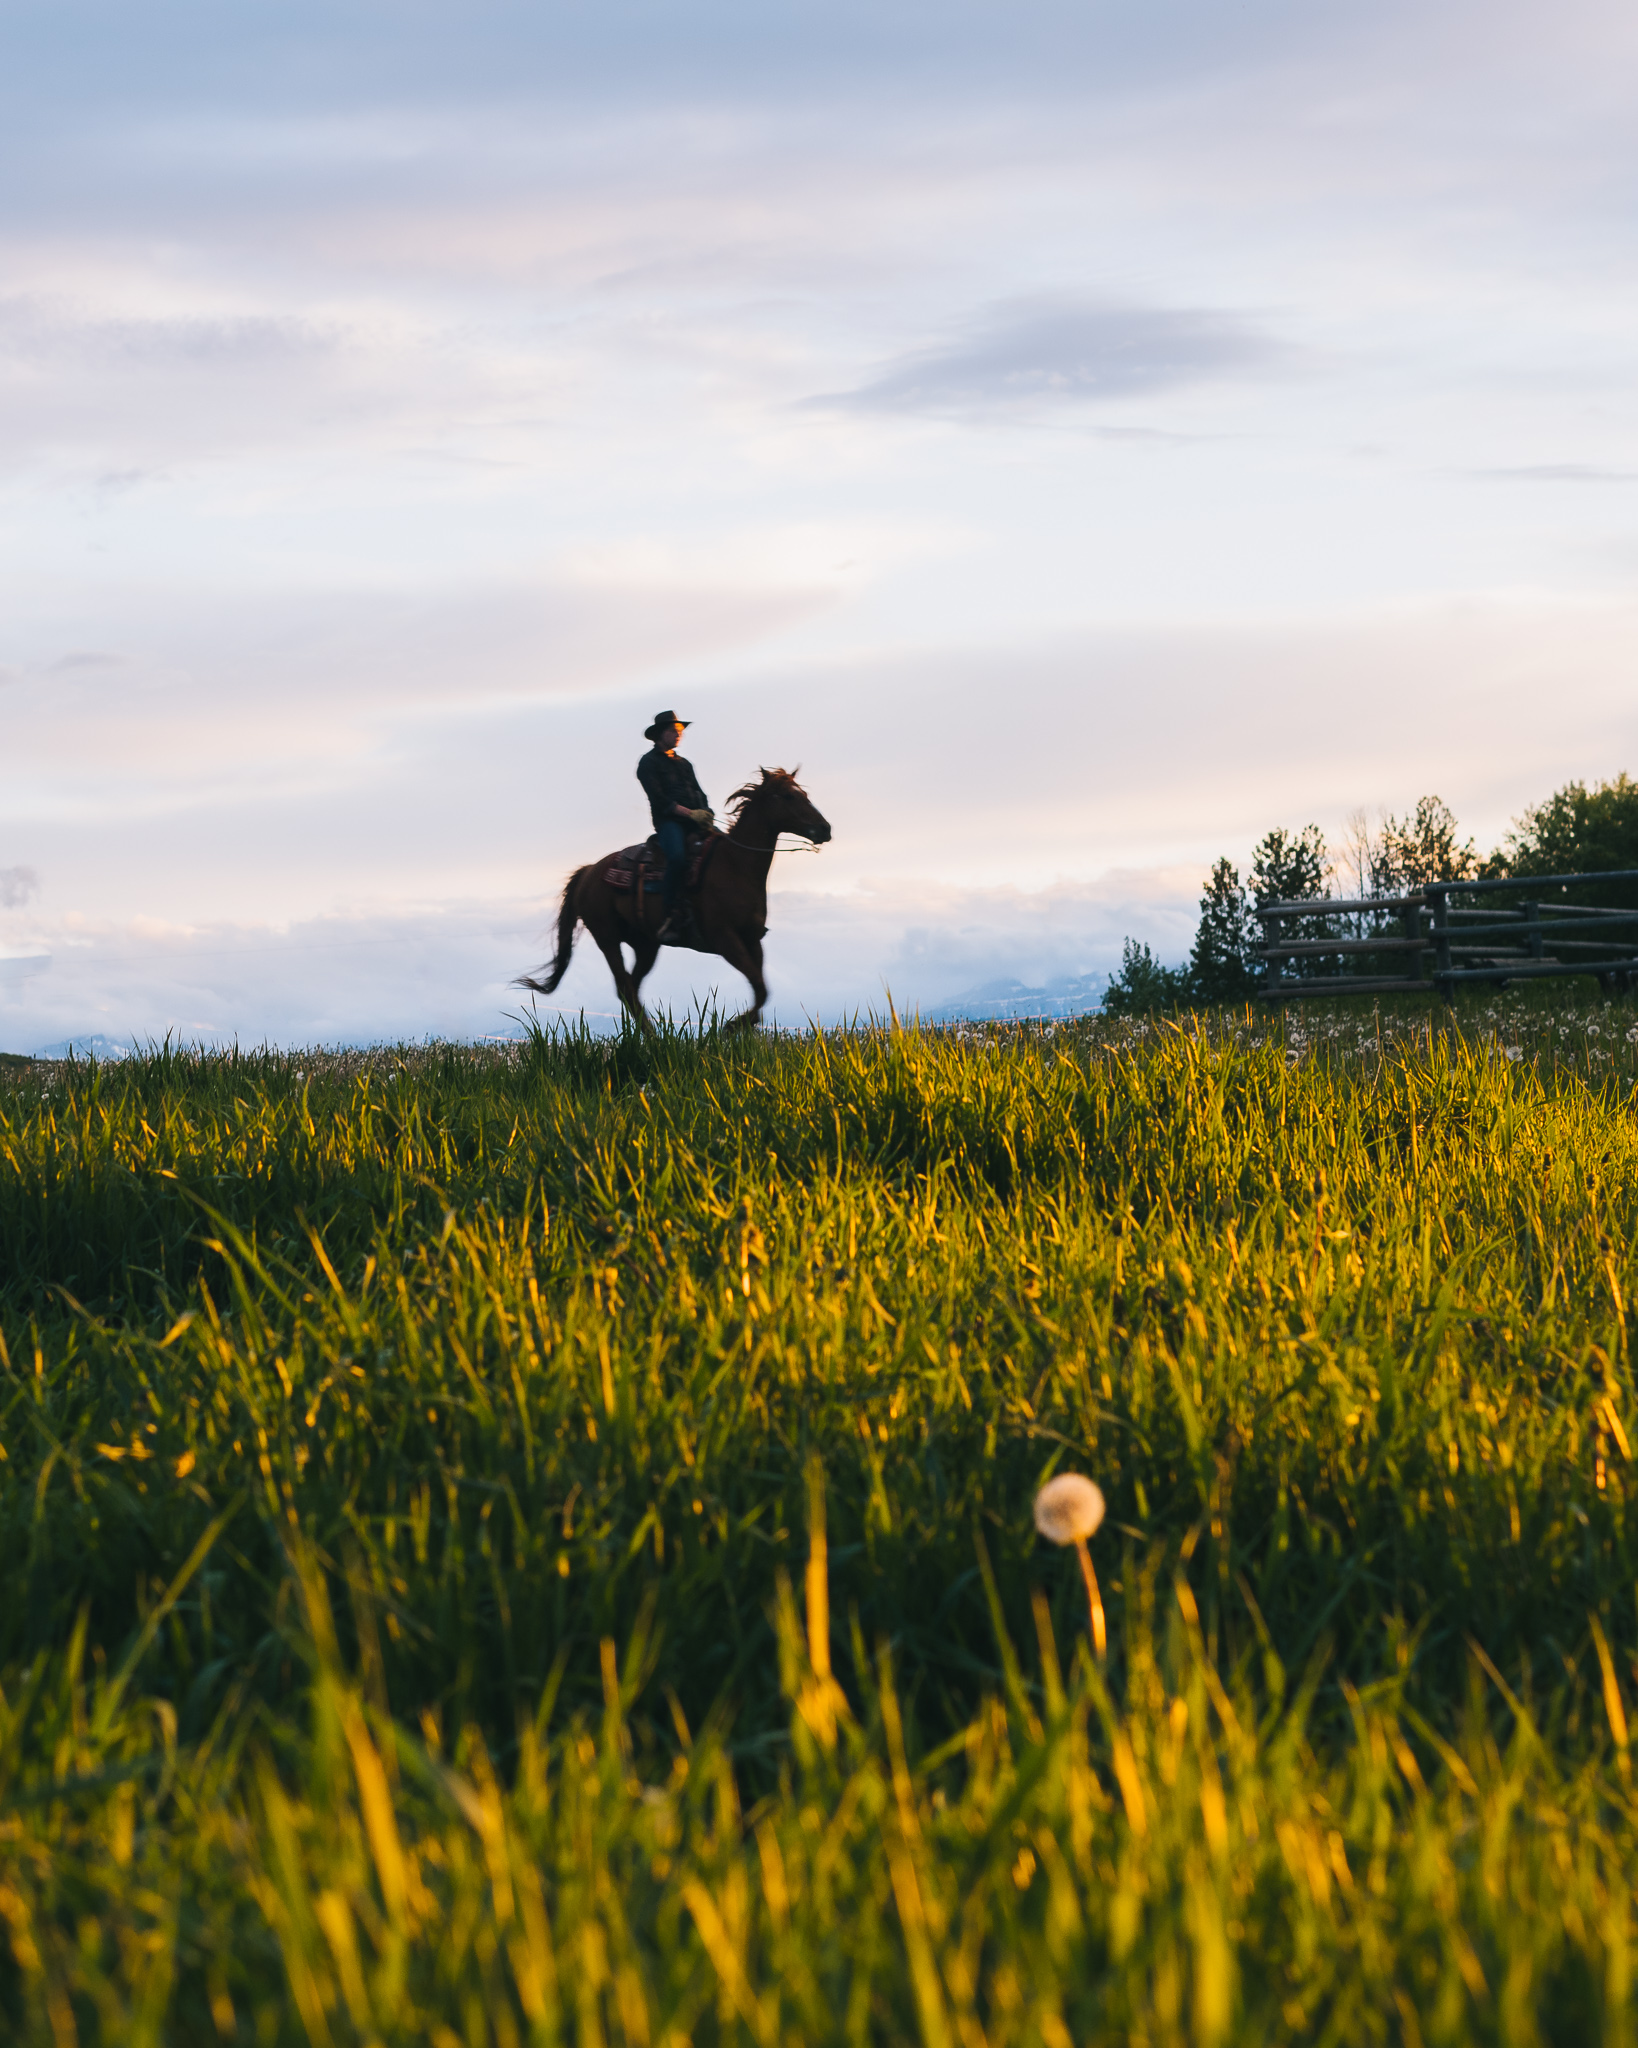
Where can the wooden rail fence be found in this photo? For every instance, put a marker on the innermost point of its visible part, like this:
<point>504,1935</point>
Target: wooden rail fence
<point>1440,943</point>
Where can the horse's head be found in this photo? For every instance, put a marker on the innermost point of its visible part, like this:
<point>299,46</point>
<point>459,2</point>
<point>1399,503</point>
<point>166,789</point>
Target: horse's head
<point>779,803</point>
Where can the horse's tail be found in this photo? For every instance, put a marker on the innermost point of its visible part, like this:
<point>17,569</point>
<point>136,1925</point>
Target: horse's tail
<point>568,917</point>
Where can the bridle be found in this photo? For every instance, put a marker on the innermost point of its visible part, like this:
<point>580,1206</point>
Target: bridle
<point>806,847</point>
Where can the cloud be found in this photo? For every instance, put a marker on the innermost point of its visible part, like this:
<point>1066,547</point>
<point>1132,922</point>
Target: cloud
<point>84,658</point>
<point>119,392</point>
<point>17,885</point>
<point>440,971</point>
<point>1025,761</point>
<point>964,938</point>
<point>17,970</point>
<point>1097,777</point>
<point>1556,473</point>
<point>38,335</point>
<point>1035,354</point>
<point>329,60</point>
<point>266,701</point>
<point>447,969</point>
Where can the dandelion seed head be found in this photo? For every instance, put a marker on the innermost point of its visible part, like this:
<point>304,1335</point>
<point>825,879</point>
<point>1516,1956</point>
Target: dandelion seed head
<point>1068,1509</point>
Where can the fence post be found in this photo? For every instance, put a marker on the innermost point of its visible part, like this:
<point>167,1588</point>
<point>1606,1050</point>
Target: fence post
<point>1438,896</point>
<point>1410,921</point>
<point>1532,931</point>
<point>1271,966</point>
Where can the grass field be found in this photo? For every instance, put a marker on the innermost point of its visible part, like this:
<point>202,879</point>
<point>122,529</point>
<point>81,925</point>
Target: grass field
<point>535,1545</point>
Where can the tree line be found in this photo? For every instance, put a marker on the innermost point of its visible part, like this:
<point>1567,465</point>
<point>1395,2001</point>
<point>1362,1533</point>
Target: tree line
<point>1577,830</point>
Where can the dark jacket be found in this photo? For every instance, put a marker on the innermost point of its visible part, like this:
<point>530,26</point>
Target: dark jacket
<point>669,780</point>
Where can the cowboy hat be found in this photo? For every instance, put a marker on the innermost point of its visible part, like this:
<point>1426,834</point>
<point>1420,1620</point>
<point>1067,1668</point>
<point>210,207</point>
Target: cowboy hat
<point>661,720</point>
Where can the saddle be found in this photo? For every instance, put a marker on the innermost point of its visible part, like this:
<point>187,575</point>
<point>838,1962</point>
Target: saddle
<point>643,866</point>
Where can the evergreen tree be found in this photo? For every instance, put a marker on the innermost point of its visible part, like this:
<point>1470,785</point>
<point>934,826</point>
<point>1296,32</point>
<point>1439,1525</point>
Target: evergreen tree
<point>1289,867</point>
<point>1223,966</point>
<point>1143,985</point>
<point>1577,831</point>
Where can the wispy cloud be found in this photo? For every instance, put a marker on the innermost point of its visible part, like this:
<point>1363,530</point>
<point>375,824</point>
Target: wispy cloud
<point>1556,473</point>
<point>34,332</point>
<point>1033,353</point>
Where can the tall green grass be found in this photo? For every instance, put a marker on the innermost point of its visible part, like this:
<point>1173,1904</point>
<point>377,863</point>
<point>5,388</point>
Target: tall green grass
<point>537,1545</point>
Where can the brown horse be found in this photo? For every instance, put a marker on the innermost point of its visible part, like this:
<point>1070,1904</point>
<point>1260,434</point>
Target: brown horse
<point>730,906</point>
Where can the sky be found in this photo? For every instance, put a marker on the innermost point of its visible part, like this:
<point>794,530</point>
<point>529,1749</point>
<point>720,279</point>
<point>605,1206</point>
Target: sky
<point>1079,437</point>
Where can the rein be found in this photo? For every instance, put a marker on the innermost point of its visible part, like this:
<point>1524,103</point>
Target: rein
<point>806,847</point>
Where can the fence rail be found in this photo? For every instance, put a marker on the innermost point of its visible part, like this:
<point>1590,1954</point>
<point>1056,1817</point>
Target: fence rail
<point>1431,935</point>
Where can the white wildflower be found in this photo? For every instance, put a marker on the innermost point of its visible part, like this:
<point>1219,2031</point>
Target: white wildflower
<point>1068,1509</point>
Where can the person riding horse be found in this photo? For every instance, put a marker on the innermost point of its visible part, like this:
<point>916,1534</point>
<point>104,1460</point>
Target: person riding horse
<point>727,913</point>
<point>676,802</point>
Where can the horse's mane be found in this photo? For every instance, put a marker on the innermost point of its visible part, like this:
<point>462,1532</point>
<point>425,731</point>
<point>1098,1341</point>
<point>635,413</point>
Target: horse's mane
<point>782,777</point>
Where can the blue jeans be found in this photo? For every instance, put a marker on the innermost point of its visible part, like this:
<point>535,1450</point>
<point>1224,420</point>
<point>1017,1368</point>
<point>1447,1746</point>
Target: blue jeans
<point>673,838</point>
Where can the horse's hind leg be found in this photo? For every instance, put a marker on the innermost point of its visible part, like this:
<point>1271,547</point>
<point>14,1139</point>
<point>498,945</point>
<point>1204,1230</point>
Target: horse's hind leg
<point>608,944</point>
<point>647,950</point>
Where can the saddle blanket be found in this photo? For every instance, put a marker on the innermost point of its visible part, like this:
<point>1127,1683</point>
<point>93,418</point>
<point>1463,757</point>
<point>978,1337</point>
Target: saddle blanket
<point>622,871</point>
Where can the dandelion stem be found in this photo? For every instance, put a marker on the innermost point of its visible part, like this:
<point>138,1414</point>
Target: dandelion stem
<point>1094,1601</point>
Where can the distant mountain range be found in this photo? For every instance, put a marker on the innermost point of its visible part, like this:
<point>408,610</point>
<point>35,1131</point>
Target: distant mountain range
<point>94,1046</point>
<point>1070,995</point>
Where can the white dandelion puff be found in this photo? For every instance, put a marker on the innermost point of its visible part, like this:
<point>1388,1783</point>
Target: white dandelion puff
<point>1068,1509</point>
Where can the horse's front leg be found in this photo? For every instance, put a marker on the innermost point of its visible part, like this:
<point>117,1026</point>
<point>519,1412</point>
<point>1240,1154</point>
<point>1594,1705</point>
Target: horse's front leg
<point>745,953</point>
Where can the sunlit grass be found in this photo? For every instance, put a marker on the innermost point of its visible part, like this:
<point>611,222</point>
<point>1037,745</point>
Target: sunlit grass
<point>414,1470</point>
